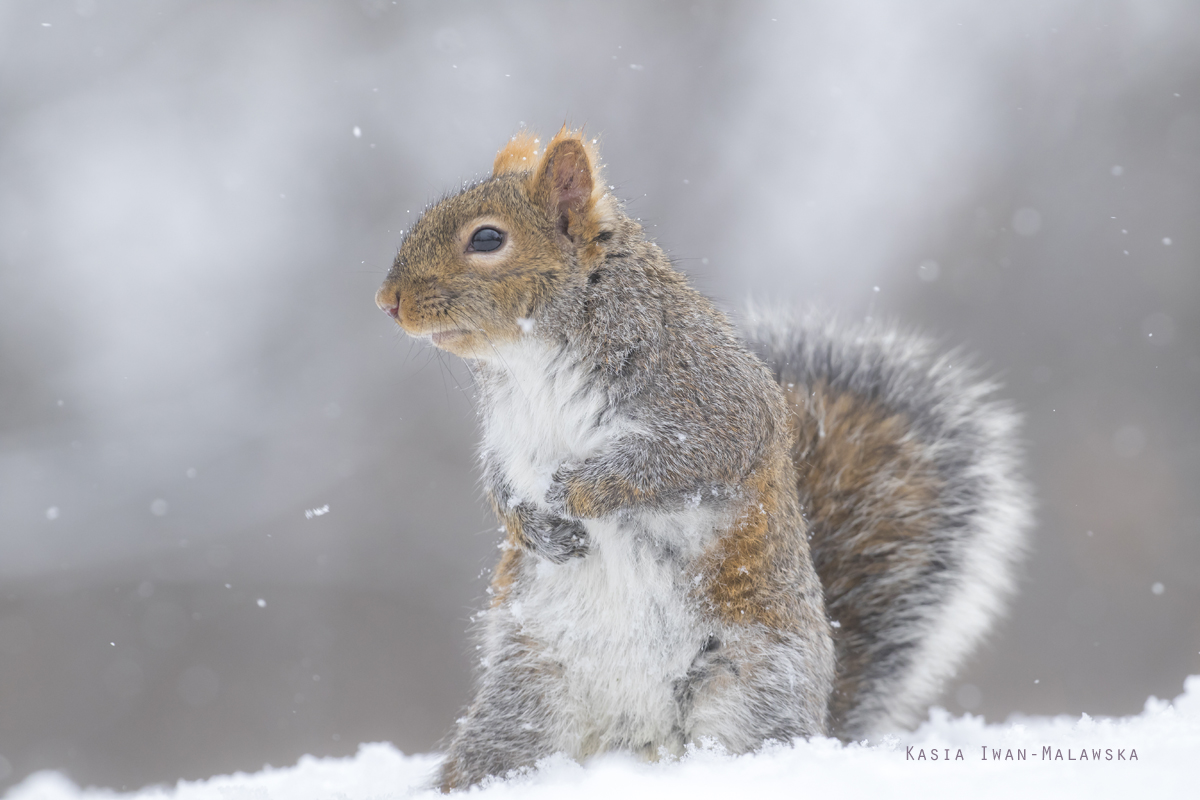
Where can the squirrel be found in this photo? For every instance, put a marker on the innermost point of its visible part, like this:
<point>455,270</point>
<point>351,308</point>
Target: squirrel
<point>798,530</point>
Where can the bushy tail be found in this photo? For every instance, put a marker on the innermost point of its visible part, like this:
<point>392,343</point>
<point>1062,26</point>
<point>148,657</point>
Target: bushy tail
<point>909,474</point>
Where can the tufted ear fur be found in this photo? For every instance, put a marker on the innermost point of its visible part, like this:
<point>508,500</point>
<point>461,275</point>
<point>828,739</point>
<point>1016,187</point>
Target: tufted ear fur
<point>518,155</point>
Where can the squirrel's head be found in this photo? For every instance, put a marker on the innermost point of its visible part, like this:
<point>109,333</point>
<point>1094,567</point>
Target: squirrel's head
<point>478,266</point>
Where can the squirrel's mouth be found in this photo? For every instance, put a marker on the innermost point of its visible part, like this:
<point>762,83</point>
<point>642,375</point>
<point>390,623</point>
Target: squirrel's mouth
<point>442,338</point>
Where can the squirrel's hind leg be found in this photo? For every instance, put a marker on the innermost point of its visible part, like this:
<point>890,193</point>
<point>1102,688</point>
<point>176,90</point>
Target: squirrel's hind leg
<point>756,685</point>
<point>511,723</point>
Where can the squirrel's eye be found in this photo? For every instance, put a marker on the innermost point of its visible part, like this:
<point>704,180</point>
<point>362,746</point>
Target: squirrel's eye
<point>486,239</point>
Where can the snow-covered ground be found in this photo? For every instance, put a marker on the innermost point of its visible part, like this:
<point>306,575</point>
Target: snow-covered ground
<point>1155,754</point>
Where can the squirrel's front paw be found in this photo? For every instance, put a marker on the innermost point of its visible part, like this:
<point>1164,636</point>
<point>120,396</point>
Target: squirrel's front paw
<point>560,540</point>
<point>556,495</point>
<point>576,492</point>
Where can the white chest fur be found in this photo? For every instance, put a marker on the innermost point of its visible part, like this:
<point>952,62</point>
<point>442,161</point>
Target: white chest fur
<point>618,623</point>
<point>540,415</point>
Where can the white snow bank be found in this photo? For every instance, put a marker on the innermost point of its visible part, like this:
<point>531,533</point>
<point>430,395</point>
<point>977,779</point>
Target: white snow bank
<point>1155,754</point>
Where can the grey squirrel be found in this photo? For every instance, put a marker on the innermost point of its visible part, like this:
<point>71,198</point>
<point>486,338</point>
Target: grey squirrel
<point>798,530</point>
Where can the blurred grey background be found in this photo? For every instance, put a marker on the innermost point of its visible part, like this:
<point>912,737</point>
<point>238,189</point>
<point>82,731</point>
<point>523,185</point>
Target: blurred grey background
<point>198,200</point>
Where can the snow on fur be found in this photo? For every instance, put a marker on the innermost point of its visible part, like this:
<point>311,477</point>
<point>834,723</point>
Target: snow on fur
<point>1165,736</point>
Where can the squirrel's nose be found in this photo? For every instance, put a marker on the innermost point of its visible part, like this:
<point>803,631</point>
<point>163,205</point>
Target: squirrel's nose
<point>388,300</point>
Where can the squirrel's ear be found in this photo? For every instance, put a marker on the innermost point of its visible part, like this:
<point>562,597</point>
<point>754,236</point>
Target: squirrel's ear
<point>564,182</point>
